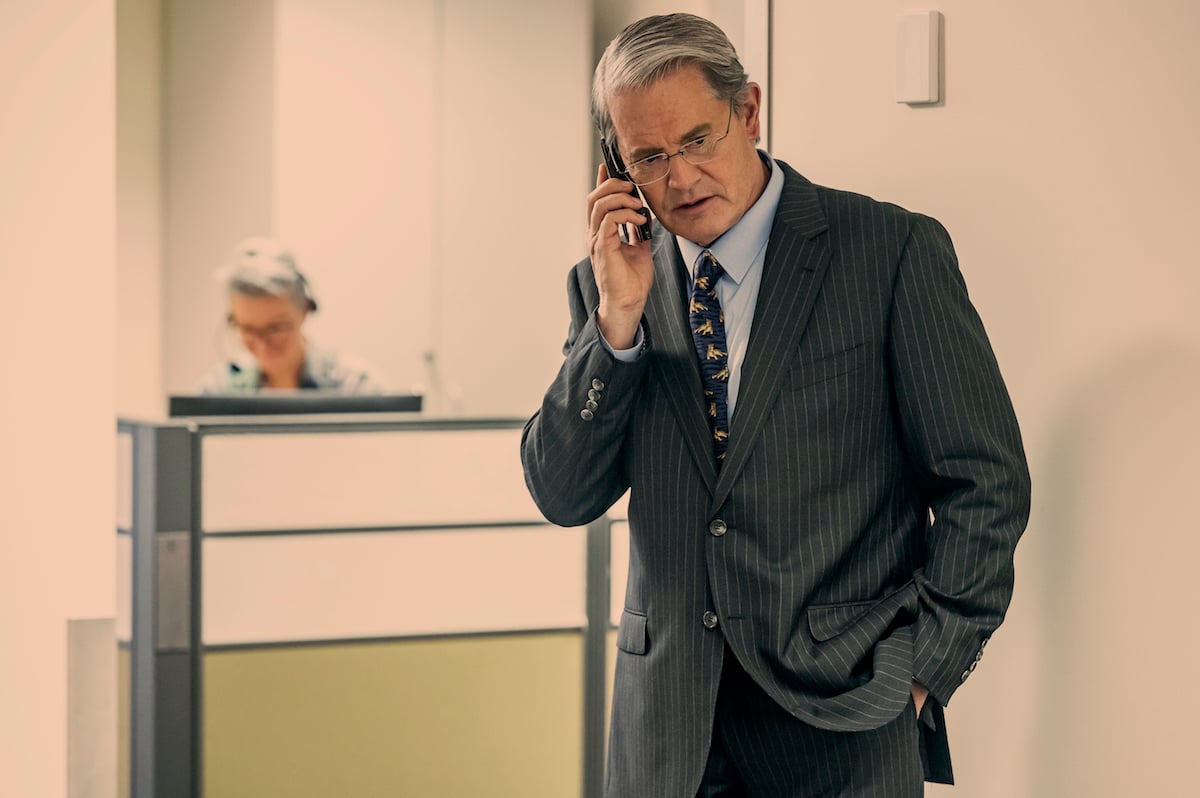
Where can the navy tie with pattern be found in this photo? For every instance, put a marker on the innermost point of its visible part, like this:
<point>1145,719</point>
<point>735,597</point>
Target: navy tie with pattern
<point>708,334</point>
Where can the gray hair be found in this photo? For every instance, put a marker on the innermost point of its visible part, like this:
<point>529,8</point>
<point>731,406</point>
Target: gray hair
<point>652,48</point>
<point>264,267</point>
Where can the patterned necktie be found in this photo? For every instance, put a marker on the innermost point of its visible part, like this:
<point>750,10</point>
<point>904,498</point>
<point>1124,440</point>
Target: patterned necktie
<point>708,334</point>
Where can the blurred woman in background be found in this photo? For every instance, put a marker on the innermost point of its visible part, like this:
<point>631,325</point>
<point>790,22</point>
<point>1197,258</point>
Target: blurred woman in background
<point>269,301</point>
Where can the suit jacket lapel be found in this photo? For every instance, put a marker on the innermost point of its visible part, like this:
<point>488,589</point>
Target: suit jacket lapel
<point>796,262</point>
<point>675,365</point>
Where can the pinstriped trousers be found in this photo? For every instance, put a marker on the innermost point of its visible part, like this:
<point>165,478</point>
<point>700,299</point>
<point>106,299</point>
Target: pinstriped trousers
<point>759,750</point>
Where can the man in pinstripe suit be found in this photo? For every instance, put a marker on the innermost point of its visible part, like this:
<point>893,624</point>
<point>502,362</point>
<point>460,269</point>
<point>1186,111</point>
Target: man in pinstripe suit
<point>809,583</point>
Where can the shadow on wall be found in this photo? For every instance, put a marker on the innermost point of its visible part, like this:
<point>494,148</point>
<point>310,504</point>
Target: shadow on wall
<point>1116,713</point>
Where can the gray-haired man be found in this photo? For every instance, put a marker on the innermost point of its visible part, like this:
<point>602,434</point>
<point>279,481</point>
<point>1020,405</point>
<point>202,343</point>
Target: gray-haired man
<point>822,521</point>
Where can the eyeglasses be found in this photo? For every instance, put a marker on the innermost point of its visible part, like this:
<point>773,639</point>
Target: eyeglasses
<point>697,151</point>
<point>270,334</point>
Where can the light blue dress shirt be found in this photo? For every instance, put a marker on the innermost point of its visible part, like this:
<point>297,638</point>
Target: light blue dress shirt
<point>741,252</point>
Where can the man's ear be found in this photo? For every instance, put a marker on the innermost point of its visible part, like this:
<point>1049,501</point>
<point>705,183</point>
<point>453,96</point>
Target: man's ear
<point>751,103</point>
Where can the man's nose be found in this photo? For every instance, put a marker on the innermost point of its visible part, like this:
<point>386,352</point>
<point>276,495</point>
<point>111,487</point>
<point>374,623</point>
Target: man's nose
<point>682,174</point>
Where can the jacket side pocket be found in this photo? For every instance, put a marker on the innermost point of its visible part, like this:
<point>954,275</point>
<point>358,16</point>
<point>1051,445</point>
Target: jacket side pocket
<point>631,634</point>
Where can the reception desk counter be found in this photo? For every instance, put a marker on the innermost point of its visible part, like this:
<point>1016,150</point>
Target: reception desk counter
<point>356,606</point>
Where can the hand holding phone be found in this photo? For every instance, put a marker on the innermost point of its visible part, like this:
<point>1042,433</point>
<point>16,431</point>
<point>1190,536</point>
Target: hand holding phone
<point>616,168</point>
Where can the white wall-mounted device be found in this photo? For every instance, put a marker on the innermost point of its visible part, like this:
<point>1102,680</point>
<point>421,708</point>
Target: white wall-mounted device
<point>918,52</point>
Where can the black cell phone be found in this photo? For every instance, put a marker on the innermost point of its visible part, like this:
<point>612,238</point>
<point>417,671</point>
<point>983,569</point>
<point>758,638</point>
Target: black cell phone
<point>616,168</point>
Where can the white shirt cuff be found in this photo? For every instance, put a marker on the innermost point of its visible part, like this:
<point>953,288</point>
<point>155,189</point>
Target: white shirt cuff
<point>632,353</point>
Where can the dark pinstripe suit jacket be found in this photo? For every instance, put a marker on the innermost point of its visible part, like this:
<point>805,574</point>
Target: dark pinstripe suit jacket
<point>873,493</point>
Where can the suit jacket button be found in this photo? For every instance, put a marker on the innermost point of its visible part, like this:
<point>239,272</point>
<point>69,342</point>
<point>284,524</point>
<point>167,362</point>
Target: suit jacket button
<point>586,414</point>
<point>718,527</point>
<point>710,620</point>
<point>964,676</point>
<point>590,404</point>
<point>598,384</point>
<point>593,394</point>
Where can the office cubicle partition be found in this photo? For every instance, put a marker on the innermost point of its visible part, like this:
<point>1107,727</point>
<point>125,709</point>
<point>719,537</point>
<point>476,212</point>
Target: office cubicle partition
<point>354,606</point>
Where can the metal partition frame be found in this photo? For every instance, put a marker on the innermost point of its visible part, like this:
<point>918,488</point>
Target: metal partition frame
<point>166,643</point>
<point>163,645</point>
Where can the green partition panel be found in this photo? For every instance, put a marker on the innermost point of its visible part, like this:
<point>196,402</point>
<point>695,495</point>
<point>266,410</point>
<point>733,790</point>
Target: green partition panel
<point>494,716</point>
<point>124,731</point>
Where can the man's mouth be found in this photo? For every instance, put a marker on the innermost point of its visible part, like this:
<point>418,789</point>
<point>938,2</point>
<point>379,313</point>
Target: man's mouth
<point>693,207</point>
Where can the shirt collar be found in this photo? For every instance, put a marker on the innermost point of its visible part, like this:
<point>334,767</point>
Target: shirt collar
<point>738,248</point>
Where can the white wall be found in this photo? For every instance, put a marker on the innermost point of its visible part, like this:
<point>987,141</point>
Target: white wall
<point>1063,161</point>
<point>140,276</point>
<point>510,177</point>
<point>57,430</point>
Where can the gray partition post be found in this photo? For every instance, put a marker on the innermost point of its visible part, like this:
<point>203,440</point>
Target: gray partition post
<point>164,671</point>
<point>595,653</point>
